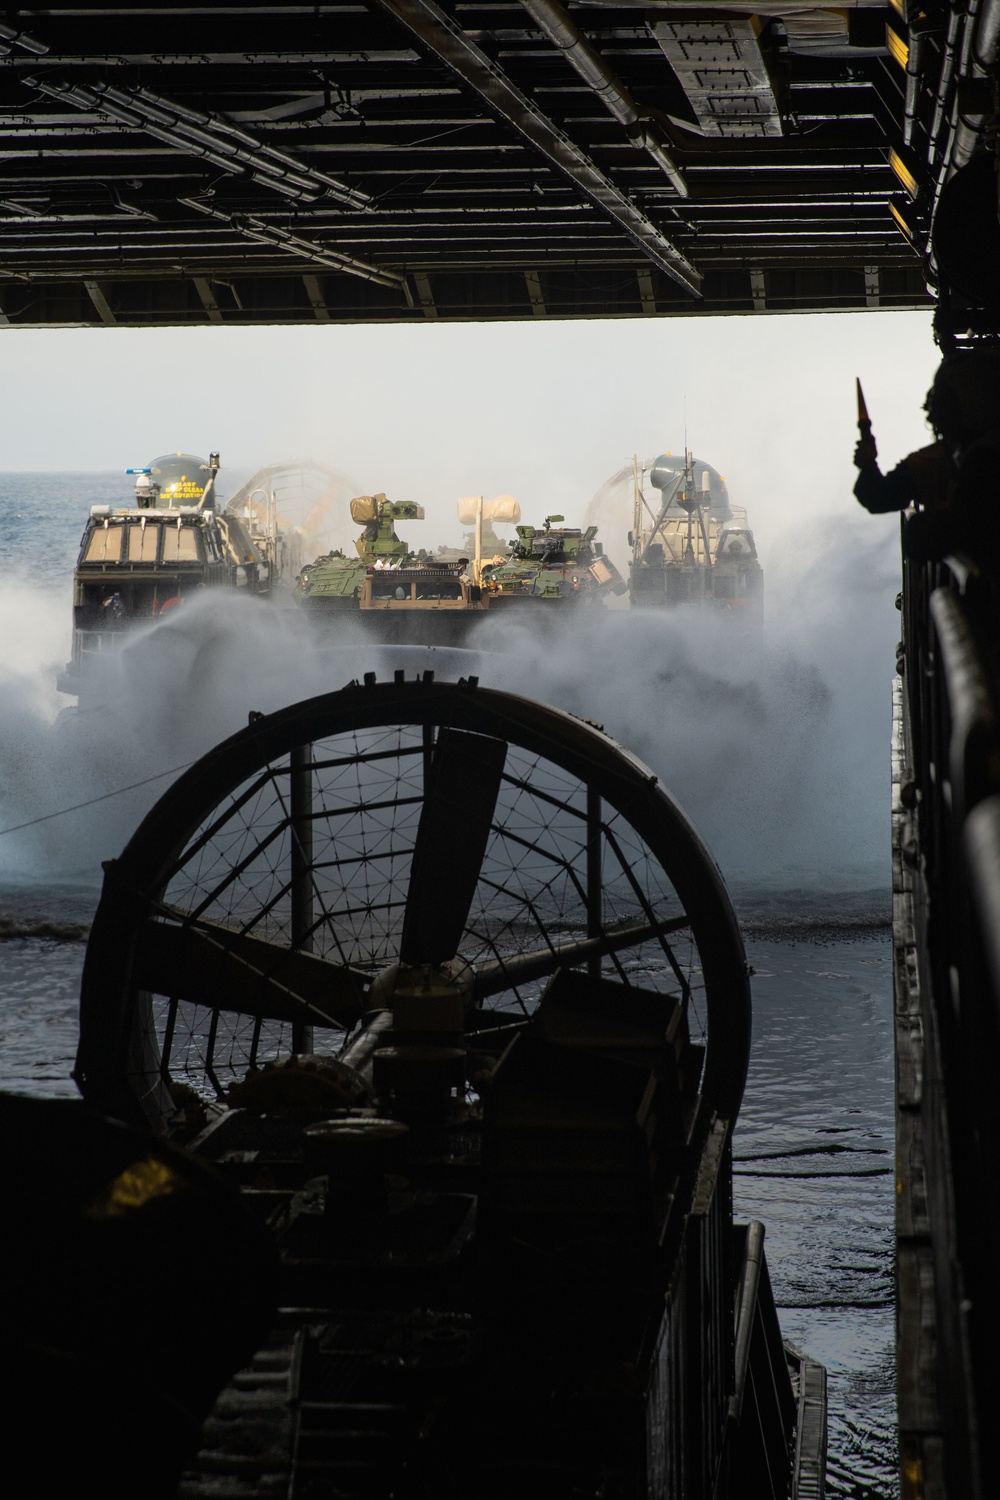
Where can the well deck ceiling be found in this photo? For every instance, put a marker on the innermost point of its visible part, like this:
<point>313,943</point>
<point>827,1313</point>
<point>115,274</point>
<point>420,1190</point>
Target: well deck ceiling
<point>405,160</point>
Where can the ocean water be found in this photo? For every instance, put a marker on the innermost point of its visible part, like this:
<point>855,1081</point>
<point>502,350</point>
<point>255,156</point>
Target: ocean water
<point>777,750</point>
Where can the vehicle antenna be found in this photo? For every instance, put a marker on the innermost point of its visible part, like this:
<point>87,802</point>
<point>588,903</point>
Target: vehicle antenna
<point>636,511</point>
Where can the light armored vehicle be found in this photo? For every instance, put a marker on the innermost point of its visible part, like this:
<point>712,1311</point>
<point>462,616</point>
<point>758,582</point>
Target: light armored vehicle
<point>398,595</point>
<point>551,566</point>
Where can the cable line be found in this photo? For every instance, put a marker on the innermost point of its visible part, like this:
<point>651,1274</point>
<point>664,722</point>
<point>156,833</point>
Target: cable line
<point>91,801</point>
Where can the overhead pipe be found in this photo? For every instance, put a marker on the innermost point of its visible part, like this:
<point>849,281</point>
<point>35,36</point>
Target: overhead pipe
<point>278,163</point>
<point>944,80</point>
<point>20,39</point>
<point>560,28</point>
<point>914,70</point>
<point>282,239</point>
<point>979,56</point>
<point>971,54</point>
<point>167,122</point>
<point>85,98</point>
<point>442,34</point>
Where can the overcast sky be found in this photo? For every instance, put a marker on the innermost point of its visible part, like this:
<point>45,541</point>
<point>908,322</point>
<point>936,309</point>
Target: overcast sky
<point>780,757</point>
<point>543,410</point>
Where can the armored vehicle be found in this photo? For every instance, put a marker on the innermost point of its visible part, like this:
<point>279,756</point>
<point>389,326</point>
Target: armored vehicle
<point>139,562</point>
<point>331,584</point>
<point>699,548</point>
<point>551,566</point>
<point>397,594</point>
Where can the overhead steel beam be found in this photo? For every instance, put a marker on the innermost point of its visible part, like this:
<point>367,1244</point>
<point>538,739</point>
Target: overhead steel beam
<point>100,302</point>
<point>445,37</point>
<point>536,296</point>
<point>315,294</point>
<point>321,255</point>
<point>204,136</point>
<point>646,294</point>
<point>560,28</point>
<point>204,289</point>
<point>425,294</point>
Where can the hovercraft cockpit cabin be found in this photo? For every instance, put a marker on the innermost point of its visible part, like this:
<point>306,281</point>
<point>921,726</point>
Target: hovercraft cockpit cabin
<point>137,563</point>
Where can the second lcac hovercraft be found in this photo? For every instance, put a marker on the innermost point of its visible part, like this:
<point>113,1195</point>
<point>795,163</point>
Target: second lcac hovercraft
<point>691,545</point>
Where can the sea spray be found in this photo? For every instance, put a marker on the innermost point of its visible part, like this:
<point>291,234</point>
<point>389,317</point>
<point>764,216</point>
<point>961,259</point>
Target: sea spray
<point>773,744</point>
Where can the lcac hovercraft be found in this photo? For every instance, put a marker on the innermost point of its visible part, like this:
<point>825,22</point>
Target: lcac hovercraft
<point>138,563</point>
<point>690,544</point>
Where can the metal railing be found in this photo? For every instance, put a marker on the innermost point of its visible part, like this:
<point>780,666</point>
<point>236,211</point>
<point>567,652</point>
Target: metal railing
<point>949,804</point>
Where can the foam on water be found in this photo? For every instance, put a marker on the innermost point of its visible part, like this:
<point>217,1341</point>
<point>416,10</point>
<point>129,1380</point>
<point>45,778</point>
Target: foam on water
<point>776,746</point>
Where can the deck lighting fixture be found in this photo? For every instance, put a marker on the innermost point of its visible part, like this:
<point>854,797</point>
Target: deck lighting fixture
<point>898,49</point>
<point>902,212</point>
<point>907,179</point>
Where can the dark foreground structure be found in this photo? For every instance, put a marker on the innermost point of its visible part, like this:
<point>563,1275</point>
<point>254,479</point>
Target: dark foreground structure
<point>442,982</point>
<point>946,919</point>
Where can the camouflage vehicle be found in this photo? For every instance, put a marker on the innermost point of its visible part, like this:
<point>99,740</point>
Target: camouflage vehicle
<point>699,548</point>
<point>331,584</point>
<point>137,563</point>
<point>398,595</point>
<point>551,566</point>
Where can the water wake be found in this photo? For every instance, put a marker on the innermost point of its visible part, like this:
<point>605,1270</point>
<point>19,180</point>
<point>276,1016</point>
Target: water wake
<point>775,746</point>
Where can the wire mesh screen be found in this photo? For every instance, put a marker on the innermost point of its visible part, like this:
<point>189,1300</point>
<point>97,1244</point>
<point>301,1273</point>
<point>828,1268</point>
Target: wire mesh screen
<point>311,860</point>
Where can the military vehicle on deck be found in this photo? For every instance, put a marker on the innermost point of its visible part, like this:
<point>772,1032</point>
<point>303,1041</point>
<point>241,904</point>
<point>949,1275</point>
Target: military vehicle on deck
<point>695,547</point>
<point>551,566</point>
<point>139,562</point>
<point>331,584</point>
<point>397,594</point>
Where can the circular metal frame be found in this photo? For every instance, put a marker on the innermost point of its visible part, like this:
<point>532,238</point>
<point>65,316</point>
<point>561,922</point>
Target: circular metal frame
<point>148,941</point>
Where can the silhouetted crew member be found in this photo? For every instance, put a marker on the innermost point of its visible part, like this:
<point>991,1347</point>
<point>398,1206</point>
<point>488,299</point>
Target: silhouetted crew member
<point>924,477</point>
<point>958,475</point>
